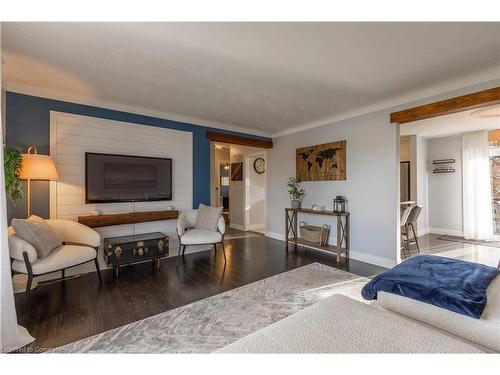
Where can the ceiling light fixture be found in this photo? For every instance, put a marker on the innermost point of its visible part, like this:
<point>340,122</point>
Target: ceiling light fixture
<point>492,111</point>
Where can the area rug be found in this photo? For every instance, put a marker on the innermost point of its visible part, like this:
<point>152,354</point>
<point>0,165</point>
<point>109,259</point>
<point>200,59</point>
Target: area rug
<point>472,242</point>
<point>212,323</point>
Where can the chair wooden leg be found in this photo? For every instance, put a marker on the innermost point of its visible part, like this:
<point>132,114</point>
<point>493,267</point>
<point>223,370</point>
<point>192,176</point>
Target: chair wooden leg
<point>223,251</point>
<point>30,280</point>
<point>178,256</point>
<point>98,269</point>
<point>28,290</point>
<point>182,250</point>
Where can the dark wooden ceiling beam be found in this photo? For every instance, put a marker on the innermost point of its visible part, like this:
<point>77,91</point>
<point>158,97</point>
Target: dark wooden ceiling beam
<point>445,107</point>
<point>238,140</point>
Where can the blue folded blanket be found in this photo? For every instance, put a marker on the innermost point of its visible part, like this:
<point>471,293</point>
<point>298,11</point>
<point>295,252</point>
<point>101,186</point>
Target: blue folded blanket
<point>452,284</point>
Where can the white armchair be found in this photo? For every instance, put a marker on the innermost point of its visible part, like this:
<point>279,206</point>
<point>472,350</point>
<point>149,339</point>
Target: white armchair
<point>80,245</point>
<point>189,235</point>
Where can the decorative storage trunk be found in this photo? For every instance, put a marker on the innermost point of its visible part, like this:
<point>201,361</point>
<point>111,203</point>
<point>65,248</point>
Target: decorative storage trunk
<point>314,234</point>
<point>123,250</point>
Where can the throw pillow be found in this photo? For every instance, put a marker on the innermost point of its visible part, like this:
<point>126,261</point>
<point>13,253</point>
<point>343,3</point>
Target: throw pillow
<point>38,233</point>
<point>207,217</point>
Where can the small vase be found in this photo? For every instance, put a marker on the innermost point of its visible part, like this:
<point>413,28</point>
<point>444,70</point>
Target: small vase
<point>296,204</point>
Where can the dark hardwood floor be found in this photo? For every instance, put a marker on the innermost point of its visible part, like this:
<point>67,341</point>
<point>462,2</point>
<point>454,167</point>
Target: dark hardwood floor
<point>69,310</point>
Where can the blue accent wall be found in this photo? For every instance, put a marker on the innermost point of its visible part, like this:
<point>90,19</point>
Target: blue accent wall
<point>28,122</point>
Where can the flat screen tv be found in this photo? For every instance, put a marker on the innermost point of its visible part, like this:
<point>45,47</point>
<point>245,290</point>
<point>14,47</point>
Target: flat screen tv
<point>123,178</point>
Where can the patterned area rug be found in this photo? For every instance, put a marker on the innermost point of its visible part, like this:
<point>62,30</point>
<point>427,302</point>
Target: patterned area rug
<point>212,323</point>
<point>472,242</point>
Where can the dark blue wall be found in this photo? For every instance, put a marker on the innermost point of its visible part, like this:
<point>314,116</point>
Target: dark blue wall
<point>28,122</point>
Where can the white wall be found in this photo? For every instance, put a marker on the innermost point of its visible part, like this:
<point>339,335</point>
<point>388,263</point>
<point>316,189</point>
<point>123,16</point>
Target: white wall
<point>371,187</point>
<point>256,195</point>
<point>445,189</point>
<point>73,135</point>
<point>422,179</point>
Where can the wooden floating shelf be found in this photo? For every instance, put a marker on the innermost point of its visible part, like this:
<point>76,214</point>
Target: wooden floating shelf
<point>97,221</point>
<point>444,170</point>
<point>443,161</point>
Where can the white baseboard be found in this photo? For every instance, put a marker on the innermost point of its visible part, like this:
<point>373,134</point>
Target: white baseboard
<point>357,255</point>
<point>372,259</point>
<point>447,232</point>
<point>256,226</point>
<point>237,226</point>
<point>276,236</point>
<point>422,232</point>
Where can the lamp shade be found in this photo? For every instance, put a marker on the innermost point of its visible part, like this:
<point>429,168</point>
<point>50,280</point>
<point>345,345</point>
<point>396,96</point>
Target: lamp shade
<point>38,167</point>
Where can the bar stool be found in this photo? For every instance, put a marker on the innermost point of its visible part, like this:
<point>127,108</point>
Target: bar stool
<point>410,225</point>
<point>404,220</point>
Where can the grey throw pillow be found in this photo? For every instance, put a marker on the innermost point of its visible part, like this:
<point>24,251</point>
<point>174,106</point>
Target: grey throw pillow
<point>207,217</point>
<point>38,233</point>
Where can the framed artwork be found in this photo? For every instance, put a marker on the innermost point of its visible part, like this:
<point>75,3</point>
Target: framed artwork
<point>237,171</point>
<point>325,162</point>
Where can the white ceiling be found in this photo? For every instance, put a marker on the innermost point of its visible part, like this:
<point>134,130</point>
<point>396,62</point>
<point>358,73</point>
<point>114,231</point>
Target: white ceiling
<point>269,78</point>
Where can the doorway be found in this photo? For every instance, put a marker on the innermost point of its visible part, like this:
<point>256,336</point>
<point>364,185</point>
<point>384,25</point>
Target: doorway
<point>238,184</point>
<point>220,195</point>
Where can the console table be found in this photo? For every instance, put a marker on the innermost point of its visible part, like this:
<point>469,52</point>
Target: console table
<point>343,229</point>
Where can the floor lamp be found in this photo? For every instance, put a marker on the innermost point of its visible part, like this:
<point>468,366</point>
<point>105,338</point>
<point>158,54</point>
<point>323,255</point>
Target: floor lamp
<point>36,167</point>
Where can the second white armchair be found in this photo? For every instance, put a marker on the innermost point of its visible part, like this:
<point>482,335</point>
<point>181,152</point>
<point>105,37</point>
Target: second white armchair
<point>189,235</point>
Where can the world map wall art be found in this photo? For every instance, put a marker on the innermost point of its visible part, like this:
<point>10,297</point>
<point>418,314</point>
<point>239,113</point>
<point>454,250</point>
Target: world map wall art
<point>323,162</point>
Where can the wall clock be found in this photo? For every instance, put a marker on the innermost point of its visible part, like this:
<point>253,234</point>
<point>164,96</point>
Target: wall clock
<point>259,165</point>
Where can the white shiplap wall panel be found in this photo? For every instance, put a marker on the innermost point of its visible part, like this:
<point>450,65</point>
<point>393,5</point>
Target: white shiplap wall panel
<point>73,135</point>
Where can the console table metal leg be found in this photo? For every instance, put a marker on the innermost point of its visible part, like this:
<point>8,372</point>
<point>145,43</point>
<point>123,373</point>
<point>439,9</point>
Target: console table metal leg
<point>347,236</point>
<point>286,230</point>
<point>339,237</point>
<point>295,230</point>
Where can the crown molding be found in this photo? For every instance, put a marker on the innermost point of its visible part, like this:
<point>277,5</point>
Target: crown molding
<point>25,89</point>
<point>485,76</point>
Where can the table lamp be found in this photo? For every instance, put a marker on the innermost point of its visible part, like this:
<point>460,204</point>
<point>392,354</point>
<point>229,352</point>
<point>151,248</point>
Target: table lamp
<point>36,167</point>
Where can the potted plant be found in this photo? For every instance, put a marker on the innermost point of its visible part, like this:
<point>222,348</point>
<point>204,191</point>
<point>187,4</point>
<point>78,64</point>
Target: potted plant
<point>295,191</point>
<point>13,159</point>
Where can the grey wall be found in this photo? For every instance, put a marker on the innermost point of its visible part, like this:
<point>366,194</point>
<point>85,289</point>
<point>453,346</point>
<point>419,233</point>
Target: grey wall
<point>445,189</point>
<point>371,187</point>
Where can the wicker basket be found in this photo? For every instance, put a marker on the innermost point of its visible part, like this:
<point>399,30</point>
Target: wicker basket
<point>315,234</point>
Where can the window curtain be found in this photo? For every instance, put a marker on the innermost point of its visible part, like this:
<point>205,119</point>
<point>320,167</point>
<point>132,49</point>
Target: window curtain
<point>12,335</point>
<point>477,206</point>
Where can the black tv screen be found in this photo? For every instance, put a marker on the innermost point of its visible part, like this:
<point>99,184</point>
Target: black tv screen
<point>123,178</point>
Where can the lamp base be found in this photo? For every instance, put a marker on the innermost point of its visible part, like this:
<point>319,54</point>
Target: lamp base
<point>20,281</point>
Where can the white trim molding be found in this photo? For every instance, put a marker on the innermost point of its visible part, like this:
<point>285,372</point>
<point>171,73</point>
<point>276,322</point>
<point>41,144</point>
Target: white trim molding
<point>447,232</point>
<point>237,226</point>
